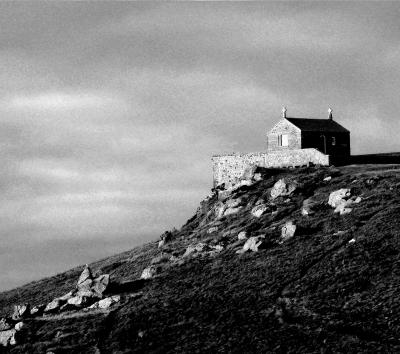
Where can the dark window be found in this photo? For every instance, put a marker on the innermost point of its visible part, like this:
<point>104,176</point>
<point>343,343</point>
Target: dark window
<point>283,140</point>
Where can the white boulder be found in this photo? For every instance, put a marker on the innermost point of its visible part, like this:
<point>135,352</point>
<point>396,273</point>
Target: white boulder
<point>281,188</point>
<point>288,231</point>
<point>258,210</point>
<point>149,272</point>
<point>8,337</point>
<point>339,197</point>
<point>242,235</point>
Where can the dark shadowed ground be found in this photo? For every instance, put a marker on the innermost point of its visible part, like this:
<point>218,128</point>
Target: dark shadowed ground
<point>332,288</point>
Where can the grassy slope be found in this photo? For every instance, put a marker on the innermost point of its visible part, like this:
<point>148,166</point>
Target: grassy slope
<point>315,293</point>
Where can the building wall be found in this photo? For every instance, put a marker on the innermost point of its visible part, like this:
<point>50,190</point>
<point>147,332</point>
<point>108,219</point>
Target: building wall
<point>315,140</point>
<point>229,168</point>
<point>283,127</point>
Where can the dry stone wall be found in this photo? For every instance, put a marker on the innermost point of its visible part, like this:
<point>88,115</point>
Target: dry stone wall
<point>229,168</point>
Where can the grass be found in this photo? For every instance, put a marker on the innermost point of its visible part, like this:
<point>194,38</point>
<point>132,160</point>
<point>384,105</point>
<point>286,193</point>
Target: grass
<point>315,293</point>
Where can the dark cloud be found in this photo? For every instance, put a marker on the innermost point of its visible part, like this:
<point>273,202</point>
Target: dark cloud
<point>109,112</point>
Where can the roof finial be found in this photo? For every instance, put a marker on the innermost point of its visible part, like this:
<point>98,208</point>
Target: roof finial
<point>284,112</point>
<point>330,113</point>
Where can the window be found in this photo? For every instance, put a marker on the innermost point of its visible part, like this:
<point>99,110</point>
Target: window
<point>283,140</point>
<point>333,141</point>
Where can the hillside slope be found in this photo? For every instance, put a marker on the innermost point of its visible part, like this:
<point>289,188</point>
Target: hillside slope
<point>333,287</point>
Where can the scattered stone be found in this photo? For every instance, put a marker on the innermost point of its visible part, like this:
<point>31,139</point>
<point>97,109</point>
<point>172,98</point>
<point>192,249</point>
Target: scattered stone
<point>37,310</point>
<point>21,311</point>
<point>141,334</point>
<point>165,238</point>
<point>85,279</point>
<point>281,188</point>
<point>357,200</point>
<point>242,235</point>
<point>78,301</point>
<point>352,240</point>
<point>219,209</point>
<point>288,231</point>
<point>258,210</point>
<point>149,272</point>
<point>5,324</point>
<point>212,229</point>
<point>200,247</point>
<point>252,244</point>
<point>100,284</point>
<point>53,306</point>
<point>327,179</point>
<point>106,303</point>
<point>67,296</point>
<point>233,203</point>
<point>19,326</point>
<point>230,211</point>
<point>338,197</point>
<point>8,337</point>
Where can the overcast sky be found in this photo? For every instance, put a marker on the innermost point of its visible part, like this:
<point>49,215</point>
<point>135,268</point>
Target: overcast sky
<point>109,112</point>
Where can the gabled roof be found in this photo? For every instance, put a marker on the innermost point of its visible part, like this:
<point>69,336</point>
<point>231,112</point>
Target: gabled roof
<point>317,125</point>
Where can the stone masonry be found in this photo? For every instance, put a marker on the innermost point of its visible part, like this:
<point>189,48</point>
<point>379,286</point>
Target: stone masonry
<point>284,127</point>
<point>229,168</point>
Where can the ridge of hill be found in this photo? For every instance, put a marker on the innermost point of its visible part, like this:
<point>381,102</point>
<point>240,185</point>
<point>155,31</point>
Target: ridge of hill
<point>302,279</point>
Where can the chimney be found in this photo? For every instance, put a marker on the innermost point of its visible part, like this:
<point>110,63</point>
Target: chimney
<point>330,114</point>
<point>284,112</point>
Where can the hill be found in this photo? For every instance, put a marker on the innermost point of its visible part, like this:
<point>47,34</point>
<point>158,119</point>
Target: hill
<point>301,279</point>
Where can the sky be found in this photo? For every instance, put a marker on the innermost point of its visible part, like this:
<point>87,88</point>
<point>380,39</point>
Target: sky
<point>110,111</point>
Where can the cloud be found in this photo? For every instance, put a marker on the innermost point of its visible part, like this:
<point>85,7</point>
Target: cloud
<point>109,113</point>
<point>60,101</point>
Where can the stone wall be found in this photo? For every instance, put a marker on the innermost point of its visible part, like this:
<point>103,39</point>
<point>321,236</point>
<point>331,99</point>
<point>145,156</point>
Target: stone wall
<point>228,168</point>
<point>284,127</point>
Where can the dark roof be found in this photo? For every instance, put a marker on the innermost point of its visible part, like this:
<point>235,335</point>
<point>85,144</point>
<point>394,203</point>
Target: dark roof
<point>317,125</point>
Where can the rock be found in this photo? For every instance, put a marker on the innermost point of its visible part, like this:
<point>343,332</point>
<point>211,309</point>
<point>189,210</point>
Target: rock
<point>53,306</point>
<point>257,177</point>
<point>258,210</point>
<point>212,229</point>
<point>21,311</point>
<point>149,272</point>
<point>37,310</point>
<point>5,324</point>
<point>66,296</point>
<point>19,326</point>
<point>352,240</point>
<point>242,235</point>
<point>165,238</point>
<point>200,247</point>
<point>327,179</point>
<point>78,301</point>
<point>219,209</point>
<point>85,279</point>
<point>8,337</point>
<point>338,197</point>
<point>100,284</point>
<point>288,231</point>
<point>281,188</point>
<point>342,210</point>
<point>357,200</point>
<point>233,203</point>
<point>308,207</point>
<point>106,303</point>
<point>231,211</point>
<point>253,244</point>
